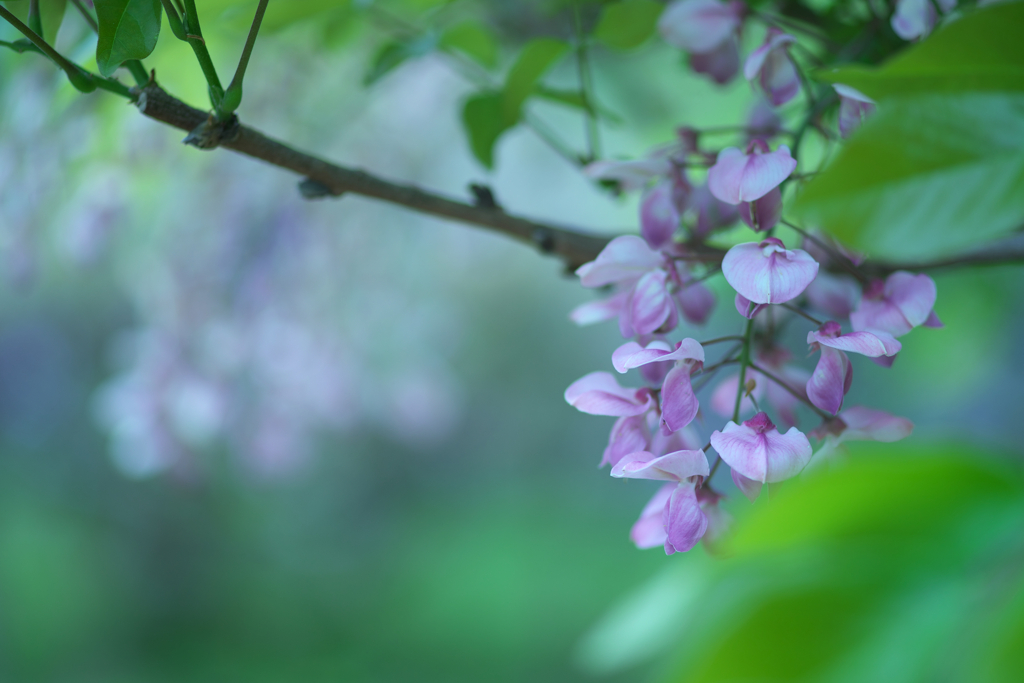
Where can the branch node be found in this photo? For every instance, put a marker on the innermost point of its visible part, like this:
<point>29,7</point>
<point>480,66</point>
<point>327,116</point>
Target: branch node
<point>483,196</point>
<point>544,240</point>
<point>314,189</point>
<point>212,133</point>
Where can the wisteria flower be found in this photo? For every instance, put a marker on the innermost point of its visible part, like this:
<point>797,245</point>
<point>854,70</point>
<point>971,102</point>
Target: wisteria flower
<point>772,67</point>
<point>767,272</point>
<point>857,423</point>
<point>683,522</point>
<point>679,404</point>
<point>629,434</point>
<point>762,214</point>
<point>643,303</point>
<point>745,177</point>
<point>599,393</point>
<point>712,212</point>
<point>836,295</point>
<point>659,215</point>
<point>897,305</point>
<point>708,30</point>
<point>854,107</point>
<point>758,451</point>
<point>833,375</point>
<point>914,19</point>
<point>695,301</point>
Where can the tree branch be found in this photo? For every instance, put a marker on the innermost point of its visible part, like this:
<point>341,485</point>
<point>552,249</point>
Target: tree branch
<point>575,247</point>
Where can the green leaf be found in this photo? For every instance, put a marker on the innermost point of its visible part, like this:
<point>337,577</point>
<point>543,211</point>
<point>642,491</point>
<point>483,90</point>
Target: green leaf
<point>533,62</point>
<point>473,40</point>
<point>628,24</point>
<point>484,121</point>
<point>128,30</point>
<point>573,98</point>
<point>925,176</point>
<point>51,12</point>
<point>979,52</point>
<point>392,55</point>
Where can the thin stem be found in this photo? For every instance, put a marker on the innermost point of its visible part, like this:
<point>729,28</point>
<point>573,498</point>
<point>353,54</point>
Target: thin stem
<point>785,22</point>
<point>89,18</point>
<point>81,79</point>
<point>803,399</point>
<point>836,255</point>
<point>716,340</point>
<point>586,88</point>
<point>194,33</point>
<point>744,362</point>
<point>174,19</point>
<point>233,95</point>
<point>801,312</point>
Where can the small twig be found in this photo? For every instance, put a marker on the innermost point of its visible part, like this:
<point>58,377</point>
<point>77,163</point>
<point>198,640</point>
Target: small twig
<point>803,399</point>
<point>89,18</point>
<point>717,340</point>
<point>801,312</point>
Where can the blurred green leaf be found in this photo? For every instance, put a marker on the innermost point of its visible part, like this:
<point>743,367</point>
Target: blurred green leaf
<point>533,62</point>
<point>51,12</point>
<point>628,24</point>
<point>979,52</point>
<point>892,568</point>
<point>927,175</point>
<point>128,30</point>
<point>484,120</point>
<point>392,55</point>
<point>573,98</point>
<point>473,40</point>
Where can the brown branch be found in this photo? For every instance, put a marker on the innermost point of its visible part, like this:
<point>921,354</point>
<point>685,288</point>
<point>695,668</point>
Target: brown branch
<point>575,247</point>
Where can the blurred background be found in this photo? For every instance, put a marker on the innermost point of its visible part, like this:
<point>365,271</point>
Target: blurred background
<point>245,436</point>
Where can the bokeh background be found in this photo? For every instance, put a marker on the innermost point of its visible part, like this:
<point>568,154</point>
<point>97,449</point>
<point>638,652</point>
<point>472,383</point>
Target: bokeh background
<point>245,436</point>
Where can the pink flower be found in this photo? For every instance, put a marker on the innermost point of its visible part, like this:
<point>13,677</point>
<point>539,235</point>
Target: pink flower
<point>722,63</point>
<point>628,435</point>
<point>857,424</point>
<point>833,375</point>
<point>897,305</point>
<point>695,301</point>
<point>700,26</point>
<point>679,404</point>
<point>914,19</point>
<point>773,68</point>
<point>712,213</point>
<point>683,522</point>
<point>600,394</point>
<point>836,295</point>
<point>757,451</point>
<point>854,107</point>
<point>659,215</point>
<point>767,272</point>
<point>643,303</point>
<point>762,214</point>
<point>743,307</point>
<point>737,177</point>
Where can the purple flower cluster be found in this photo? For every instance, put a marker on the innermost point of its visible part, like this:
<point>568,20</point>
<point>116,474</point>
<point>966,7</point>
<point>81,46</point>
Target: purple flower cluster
<point>656,284</point>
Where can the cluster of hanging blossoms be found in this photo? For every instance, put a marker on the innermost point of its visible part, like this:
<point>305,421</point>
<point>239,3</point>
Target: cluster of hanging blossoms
<point>656,283</point>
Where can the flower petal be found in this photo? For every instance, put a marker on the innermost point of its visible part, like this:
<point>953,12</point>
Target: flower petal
<point>767,457</point>
<point>600,394</point>
<point>871,344</point>
<point>836,295</point>
<point>676,466</point>
<point>659,218</point>
<point>649,530</point>
<point>867,424</point>
<point>698,26</point>
<point>685,522</point>
<point>751,488</point>
<point>631,355</point>
<point>650,305</point>
<point>722,63</point>
<point>630,175</point>
<point>624,258</point>
<point>629,435</point>
<point>828,383</point>
<point>679,404</point>
<point>695,301</point>
<point>913,294</point>
<point>600,310</point>
<point>767,273</point>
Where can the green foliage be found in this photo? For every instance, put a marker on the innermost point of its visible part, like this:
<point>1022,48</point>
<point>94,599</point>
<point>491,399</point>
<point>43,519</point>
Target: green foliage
<point>941,165</point>
<point>473,40</point>
<point>50,11</point>
<point>128,30</point>
<point>981,52</point>
<point>490,113</point>
<point>391,55</point>
<point>627,24</point>
<point>897,567</point>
